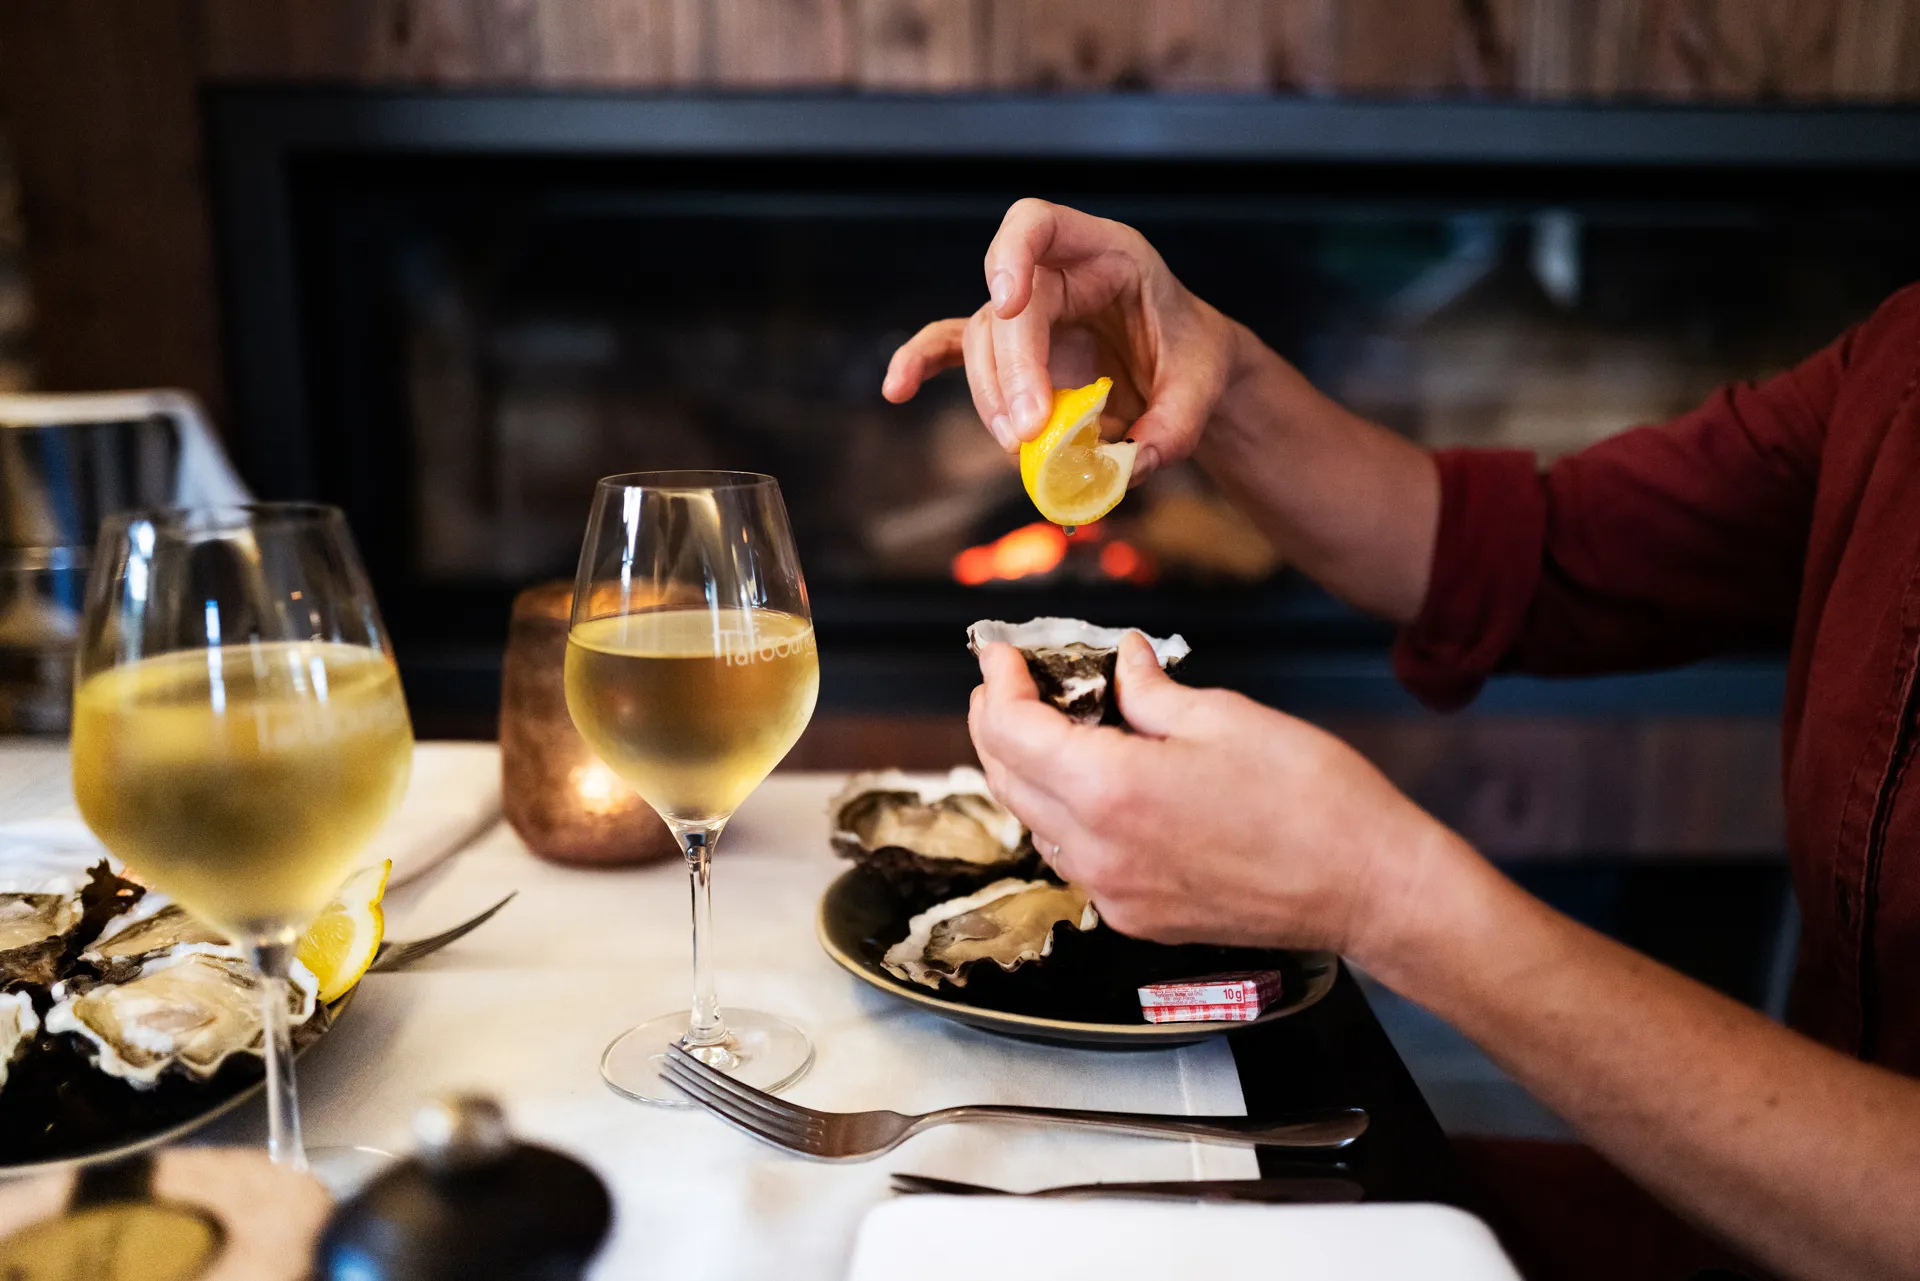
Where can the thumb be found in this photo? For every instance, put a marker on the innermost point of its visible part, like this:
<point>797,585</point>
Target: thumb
<point>1170,427</point>
<point>1152,701</point>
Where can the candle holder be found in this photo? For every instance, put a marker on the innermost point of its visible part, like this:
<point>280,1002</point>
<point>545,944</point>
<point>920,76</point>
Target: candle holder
<point>558,795</point>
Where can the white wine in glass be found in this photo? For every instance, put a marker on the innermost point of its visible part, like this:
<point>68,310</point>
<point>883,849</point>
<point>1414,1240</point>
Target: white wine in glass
<point>239,730</point>
<point>693,704</point>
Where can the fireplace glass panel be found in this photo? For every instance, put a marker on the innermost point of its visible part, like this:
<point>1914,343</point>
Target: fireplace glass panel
<point>484,337</point>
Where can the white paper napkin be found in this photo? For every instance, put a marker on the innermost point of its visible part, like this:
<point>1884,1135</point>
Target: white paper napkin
<point>1102,1240</point>
<point>453,797</point>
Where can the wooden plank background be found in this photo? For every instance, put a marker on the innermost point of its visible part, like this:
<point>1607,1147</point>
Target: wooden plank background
<point>1686,49</point>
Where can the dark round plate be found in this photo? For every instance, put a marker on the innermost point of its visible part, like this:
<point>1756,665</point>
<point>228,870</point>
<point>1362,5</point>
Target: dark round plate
<point>63,1112</point>
<point>1082,994</point>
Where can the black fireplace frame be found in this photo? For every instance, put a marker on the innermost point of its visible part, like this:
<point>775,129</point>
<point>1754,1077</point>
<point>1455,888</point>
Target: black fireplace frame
<point>255,134</point>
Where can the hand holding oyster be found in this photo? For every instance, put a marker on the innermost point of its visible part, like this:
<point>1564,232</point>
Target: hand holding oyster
<point>1072,662</point>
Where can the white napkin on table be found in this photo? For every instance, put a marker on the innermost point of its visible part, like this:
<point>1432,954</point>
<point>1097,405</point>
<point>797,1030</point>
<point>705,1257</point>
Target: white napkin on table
<point>453,798</point>
<point>1157,1241</point>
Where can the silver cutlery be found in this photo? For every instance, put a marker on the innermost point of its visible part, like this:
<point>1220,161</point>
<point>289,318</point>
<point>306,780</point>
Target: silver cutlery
<point>858,1136</point>
<point>398,956</point>
<point>1302,1189</point>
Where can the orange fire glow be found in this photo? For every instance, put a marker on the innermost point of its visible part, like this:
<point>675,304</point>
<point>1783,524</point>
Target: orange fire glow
<point>1028,550</point>
<point>1039,548</point>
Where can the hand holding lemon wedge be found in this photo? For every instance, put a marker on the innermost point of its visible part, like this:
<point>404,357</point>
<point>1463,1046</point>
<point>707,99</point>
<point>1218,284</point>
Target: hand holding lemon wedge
<point>1071,475</point>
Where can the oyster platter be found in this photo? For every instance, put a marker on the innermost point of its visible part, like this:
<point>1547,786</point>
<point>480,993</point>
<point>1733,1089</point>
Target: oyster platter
<point>123,1020</point>
<point>949,905</point>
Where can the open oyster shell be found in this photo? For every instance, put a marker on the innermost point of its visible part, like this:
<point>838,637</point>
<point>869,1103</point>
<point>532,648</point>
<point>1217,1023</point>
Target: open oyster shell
<point>34,933</point>
<point>153,928</point>
<point>1072,661</point>
<point>18,1024</point>
<point>44,919</point>
<point>940,835</point>
<point>1010,923</point>
<point>187,1010</point>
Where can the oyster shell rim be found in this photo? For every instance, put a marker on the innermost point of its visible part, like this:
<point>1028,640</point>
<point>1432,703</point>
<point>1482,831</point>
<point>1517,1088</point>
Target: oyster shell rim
<point>1052,634</point>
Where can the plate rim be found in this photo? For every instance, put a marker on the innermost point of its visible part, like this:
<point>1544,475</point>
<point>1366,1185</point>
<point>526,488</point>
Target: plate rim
<point>1040,1025</point>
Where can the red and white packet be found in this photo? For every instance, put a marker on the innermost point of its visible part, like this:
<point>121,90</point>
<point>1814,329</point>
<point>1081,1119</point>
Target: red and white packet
<point>1217,998</point>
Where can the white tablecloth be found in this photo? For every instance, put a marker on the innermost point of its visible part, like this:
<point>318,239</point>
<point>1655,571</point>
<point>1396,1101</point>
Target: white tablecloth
<point>523,1008</point>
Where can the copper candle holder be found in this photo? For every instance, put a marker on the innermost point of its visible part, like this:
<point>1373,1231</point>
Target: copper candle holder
<point>558,795</point>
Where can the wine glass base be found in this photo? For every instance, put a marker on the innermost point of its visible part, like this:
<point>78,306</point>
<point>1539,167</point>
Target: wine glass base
<point>345,1170</point>
<point>765,1052</point>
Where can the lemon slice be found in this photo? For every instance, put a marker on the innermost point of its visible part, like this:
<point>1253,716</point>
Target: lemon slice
<point>342,941</point>
<point>1074,477</point>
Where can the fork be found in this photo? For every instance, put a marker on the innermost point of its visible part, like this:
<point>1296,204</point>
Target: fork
<point>859,1136</point>
<point>398,956</point>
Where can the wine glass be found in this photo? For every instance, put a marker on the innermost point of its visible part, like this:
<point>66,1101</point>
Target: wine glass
<point>691,670</point>
<point>239,730</point>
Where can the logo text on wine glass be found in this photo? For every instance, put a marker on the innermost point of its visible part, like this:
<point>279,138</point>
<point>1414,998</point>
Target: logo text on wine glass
<point>740,648</point>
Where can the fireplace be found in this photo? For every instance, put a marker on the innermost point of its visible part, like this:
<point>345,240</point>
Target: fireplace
<point>450,313</point>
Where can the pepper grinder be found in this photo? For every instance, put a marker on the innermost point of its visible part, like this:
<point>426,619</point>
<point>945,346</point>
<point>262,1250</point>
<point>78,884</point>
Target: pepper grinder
<point>472,1203</point>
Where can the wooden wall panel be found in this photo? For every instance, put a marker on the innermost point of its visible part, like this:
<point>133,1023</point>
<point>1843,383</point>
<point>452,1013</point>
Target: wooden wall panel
<point>1486,41</point>
<point>769,43</point>
<point>1876,49</point>
<point>1302,45</point>
<point>1395,46</point>
<point>617,43</point>
<point>1580,48</point>
<point>1740,49</point>
<point>920,44</point>
<point>99,101</point>
<point>1067,44</point>
<point>1206,44</point>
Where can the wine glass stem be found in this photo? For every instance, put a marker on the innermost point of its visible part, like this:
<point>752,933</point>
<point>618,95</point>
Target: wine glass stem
<point>705,1026</point>
<point>273,959</point>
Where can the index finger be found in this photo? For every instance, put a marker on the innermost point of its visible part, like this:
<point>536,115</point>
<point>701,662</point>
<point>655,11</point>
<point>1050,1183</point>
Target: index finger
<point>1011,722</point>
<point>1037,233</point>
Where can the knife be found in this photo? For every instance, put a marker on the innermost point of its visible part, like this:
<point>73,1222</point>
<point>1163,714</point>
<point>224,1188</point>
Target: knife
<point>1295,1190</point>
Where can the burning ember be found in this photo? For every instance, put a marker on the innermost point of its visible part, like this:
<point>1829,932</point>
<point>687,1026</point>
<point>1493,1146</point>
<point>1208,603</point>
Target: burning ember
<point>1040,548</point>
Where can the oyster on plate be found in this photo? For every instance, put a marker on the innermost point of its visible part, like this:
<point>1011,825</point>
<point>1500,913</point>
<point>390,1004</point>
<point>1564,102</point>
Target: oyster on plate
<point>46,916</point>
<point>1073,661</point>
<point>186,1010</point>
<point>35,931</point>
<point>18,1024</point>
<point>938,834</point>
<point>149,930</point>
<point>1010,923</point>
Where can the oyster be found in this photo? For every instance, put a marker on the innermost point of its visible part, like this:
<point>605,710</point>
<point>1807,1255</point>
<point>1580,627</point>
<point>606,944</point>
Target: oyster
<point>939,834</point>
<point>1072,661</point>
<point>1009,923</point>
<point>156,926</point>
<point>34,932</point>
<point>44,918</point>
<point>18,1024</point>
<point>189,1009</point>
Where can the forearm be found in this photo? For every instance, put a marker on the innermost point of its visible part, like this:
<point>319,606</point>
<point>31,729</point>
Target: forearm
<point>1349,503</point>
<point>1808,1159</point>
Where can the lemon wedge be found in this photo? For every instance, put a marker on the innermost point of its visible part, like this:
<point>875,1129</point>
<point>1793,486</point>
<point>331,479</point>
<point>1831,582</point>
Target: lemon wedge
<point>343,940</point>
<point>1073,476</point>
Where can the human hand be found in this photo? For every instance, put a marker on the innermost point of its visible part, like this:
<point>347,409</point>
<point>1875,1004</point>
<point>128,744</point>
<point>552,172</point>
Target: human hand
<point>1218,821</point>
<point>1074,297</point>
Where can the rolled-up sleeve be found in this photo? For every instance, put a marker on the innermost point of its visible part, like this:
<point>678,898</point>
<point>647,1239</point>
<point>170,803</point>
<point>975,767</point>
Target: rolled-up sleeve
<point>1659,546</point>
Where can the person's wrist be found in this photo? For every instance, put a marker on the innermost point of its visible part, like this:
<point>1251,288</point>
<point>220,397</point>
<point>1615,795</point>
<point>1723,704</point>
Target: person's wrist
<point>1442,891</point>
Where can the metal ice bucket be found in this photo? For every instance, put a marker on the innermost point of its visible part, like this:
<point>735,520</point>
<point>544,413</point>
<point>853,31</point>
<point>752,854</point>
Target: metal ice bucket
<point>67,461</point>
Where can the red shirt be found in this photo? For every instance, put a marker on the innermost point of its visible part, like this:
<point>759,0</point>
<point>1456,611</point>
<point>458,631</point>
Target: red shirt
<point>1784,510</point>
